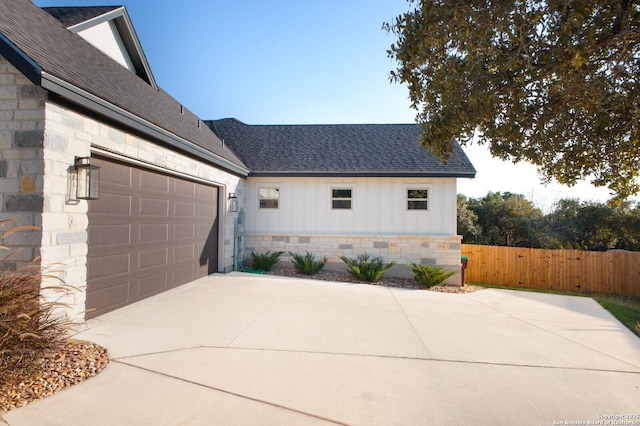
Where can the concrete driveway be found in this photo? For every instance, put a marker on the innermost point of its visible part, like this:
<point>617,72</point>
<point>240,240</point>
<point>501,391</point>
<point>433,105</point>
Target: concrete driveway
<point>250,349</point>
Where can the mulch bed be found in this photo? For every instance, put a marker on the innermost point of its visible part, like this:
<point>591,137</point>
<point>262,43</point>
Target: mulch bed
<point>387,282</point>
<point>73,362</point>
<point>77,360</point>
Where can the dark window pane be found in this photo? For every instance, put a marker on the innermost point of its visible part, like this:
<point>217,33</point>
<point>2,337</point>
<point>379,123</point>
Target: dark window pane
<point>341,204</point>
<point>418,205</point>
<point>268,204</point>
<point>418,193</point>
<point>341,193</point>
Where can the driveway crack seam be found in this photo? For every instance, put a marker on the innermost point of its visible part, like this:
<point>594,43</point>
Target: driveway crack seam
<point>554,334</point>
<point>415,332</point>
<point>261,401</point>
<point>233,339</point>
<point>416,358</point>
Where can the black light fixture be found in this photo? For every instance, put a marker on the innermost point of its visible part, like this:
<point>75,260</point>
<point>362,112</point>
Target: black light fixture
<point>88,175</point>
<point>233,202</point>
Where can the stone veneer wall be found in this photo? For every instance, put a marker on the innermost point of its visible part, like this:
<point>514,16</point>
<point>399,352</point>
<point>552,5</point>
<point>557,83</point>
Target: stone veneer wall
<point>426,249</point>
<point>22,116</point>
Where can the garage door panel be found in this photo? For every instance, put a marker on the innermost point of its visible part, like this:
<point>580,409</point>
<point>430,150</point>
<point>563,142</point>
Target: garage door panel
<point>205,211</point>
<point>153,182</point>
<point>185,188</point>
<point>184,252</point>
<point>153,233</point>
<point>183,274</point>
<point>186,210</point>
<point>109,265</point>
<point>184,230</point>
<point>156,232</point>
<point>111,203</point>
<point>116,175</point>
<point>152,258</point>
<point>110,234</point>
<point>154,207</point>
<point>207,193</point>
<point>154,284</point>
<point>107,298</point>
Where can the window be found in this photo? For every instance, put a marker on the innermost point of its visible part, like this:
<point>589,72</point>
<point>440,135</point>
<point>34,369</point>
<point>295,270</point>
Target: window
<point>341,199</point>
<point>418,199</point>
<point>269,198</point>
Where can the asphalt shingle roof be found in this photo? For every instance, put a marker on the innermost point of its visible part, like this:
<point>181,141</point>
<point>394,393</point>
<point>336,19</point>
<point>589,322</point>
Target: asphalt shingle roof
<point>67,56</point>
<point>337,150</point>
<point>70,16</point>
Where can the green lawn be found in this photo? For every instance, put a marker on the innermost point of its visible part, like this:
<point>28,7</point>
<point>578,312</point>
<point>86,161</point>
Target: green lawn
<point>625,308</point>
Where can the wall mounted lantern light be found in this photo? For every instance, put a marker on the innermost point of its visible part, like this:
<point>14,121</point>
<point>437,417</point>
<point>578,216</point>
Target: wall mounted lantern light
<point>233,202</point>
<point>88,176</point>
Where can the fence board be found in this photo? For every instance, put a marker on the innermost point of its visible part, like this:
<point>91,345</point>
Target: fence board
<point>611,272</point>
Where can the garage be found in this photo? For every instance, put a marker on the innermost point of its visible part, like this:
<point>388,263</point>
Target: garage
<point>148,232</point>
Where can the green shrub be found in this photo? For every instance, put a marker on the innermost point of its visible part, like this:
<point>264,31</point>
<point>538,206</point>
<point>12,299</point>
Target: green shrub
<point>265,261</point>
<point>307,264</point>
<point>366,268</point>
<point>429,275</point>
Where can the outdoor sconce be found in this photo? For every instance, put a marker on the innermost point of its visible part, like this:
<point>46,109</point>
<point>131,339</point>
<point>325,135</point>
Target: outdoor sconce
<point>88,176</point>
<point>233,202</point>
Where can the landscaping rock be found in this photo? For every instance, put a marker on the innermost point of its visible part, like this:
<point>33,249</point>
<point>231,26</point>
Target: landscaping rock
<point>73,362</point>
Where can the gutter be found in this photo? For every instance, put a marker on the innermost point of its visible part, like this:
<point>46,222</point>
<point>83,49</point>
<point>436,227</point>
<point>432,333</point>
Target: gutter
<point>402,174</point>
<point>115,113</point>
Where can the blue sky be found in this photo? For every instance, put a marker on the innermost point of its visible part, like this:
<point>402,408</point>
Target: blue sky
<point>298,62</point>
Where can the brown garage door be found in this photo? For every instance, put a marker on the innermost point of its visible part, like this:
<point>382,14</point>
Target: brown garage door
<point>148,232</point>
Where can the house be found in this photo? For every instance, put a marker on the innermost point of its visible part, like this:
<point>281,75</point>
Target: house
<point>343,190</point>
<point>77,93</point>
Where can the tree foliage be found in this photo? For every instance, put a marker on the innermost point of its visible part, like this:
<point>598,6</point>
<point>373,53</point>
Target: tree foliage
<point>552,82</point>
<point>503,219</point>
<point>510,220</point>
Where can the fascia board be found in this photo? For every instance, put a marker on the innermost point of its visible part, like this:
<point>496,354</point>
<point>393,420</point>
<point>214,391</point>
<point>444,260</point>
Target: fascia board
<point>113,14</point>
<point>406,174</point>
<point>113,112</point>
<point>27,66</point>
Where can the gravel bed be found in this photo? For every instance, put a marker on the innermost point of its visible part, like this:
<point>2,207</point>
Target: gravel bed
<point>388,282</point>
<point>74,362</point>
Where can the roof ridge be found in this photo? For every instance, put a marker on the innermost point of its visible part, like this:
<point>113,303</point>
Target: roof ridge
<point>231,119</point>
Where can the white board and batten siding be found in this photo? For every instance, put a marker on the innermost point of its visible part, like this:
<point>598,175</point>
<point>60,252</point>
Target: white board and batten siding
<point>379,206</point>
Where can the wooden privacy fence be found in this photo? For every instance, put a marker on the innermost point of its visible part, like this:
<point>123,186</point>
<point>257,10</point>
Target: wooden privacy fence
<point>611,272</point>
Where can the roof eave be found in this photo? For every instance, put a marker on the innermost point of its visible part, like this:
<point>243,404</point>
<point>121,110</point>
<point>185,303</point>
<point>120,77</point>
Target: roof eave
<point>113,112</point>
<point>23,63</point>
<point>403,174</point>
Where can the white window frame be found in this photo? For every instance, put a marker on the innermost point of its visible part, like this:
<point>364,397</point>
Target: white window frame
<point>277,199</point>
<point>332,198</point>
<point>408,200</point>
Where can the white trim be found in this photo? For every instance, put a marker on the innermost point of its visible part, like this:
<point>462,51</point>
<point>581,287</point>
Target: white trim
<point>126,159</point>
<point>408,188</point>
<point>279,199</point>
<point>351,198</point>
